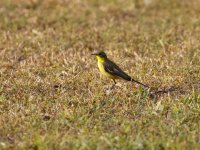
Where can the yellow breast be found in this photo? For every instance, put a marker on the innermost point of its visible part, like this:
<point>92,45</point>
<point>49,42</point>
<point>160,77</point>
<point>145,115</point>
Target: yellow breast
<point>102,70</point>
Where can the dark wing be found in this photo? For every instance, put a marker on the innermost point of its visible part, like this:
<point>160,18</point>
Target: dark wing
<point>113,69</point>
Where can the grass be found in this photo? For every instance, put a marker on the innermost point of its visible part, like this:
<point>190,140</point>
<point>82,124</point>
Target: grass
<point>51,96</point>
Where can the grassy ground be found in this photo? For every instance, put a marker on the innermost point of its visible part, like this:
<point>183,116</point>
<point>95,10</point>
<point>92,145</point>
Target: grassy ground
<point>51,96</point>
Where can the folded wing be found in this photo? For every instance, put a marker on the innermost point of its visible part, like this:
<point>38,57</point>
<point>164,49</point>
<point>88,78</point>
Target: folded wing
<point>113,69</point>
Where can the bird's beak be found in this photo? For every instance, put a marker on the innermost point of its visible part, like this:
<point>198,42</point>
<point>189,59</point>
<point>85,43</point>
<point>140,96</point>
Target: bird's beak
<point>95,54</point>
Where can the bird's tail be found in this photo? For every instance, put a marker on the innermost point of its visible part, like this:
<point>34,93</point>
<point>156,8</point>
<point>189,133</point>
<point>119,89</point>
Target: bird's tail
<point>145,86</point>
<point>125,76</point>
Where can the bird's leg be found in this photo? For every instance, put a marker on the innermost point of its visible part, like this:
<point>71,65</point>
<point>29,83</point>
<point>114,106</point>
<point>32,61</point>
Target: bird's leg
<point>114,81</point>
<point>113,84</point>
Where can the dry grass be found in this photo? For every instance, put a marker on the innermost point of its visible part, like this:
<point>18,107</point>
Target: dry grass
<point>51,96</point>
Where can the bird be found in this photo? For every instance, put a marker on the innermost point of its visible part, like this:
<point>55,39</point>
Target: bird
<point>109,69</point>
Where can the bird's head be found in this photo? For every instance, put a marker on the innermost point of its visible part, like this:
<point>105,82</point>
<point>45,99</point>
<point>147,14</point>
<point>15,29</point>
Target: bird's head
<point>100,55</point>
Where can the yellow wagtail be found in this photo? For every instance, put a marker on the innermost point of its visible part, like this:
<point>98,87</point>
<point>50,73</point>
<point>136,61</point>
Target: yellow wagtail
<point>111,70</point>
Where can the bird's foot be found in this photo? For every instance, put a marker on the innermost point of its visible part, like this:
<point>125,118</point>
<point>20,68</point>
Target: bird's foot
<point>109,89</point>
<point>112,87</point>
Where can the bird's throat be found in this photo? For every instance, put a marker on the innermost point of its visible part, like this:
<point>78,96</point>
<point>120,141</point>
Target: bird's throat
<point>100,59</point>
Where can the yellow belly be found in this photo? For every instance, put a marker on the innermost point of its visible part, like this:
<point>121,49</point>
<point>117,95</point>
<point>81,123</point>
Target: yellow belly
<point>103,72</point>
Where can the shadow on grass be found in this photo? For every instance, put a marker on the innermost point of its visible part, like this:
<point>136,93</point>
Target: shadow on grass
<point>155,93</point>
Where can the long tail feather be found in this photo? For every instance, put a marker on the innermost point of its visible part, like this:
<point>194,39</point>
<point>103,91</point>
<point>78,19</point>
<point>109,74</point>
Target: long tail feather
<point>146,86</point>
